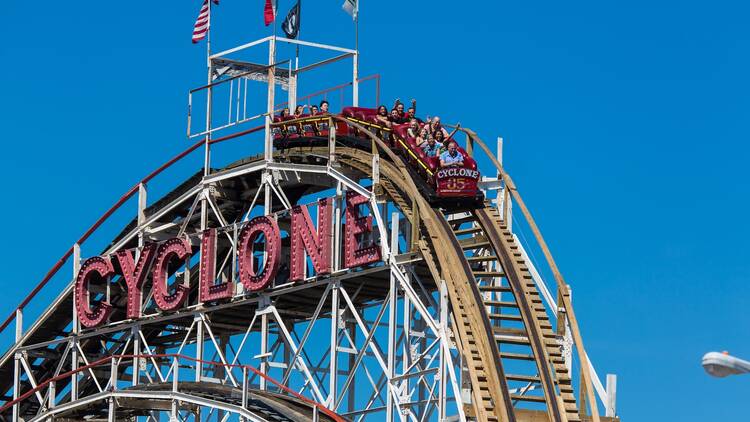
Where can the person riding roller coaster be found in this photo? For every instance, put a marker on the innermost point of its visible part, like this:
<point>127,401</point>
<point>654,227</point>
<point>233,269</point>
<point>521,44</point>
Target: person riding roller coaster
<point>451,158</point>
<point>435,125</point>
<point>422,136</point>
<point>321,126</point>
<point>404,117</point>
<point>447,179</point>
<point>396,119</point>
<point>431,148</point>
<point>440,140</point>
<point>382,116</point>
<point>299,111</point>
<point>413,130</point>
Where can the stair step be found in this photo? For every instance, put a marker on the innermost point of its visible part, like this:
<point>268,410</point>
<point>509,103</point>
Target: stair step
<point>475,245</point>
<point>570,407</point>
<point>460,220</point>
<point>501,304</point>
<point>535,399</point>
<point>469,230</point>
<point>524,378</point>
<point>488,274</point>
<point>506,317</point>
<point>512,339</point>
<point>503,331</point>
<point>566,388</point>
<point>486,258</point>
<point>516,356</point>
<point>495,289</point>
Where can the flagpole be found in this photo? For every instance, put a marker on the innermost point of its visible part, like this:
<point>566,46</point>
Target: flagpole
<point>355,76</point>
<point>207,156</point>
<point>271,104</point>
<point>356,28</point>
<point>208,37</point>
<point>299,29</point>
<point>296,54</point>
<point>276,7</point>
<point>207,146</point>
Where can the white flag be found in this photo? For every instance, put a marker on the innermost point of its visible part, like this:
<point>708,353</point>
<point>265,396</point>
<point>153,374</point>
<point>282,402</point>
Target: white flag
<point>351,7</point>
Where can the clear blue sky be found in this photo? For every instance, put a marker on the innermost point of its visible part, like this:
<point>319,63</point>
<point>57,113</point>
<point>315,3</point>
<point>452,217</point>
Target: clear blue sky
<point>626,128</point>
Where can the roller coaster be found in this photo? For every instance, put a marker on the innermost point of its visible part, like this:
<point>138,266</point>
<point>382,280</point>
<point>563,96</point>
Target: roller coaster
<point>411,297</point>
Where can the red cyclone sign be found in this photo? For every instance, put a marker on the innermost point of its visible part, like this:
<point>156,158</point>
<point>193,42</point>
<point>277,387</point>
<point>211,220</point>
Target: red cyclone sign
<point>456,181</point>
<point>457,172</point>
<point>157,259</point>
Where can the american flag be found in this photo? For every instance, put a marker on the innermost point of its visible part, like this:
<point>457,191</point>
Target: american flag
<point>202,23</point>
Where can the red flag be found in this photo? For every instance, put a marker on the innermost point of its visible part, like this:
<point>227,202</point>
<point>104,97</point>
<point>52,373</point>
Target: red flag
<point>268,13</point>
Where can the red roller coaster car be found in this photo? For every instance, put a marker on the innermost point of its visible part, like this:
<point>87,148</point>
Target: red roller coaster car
<point>451,182</point>
<point>451,185</point>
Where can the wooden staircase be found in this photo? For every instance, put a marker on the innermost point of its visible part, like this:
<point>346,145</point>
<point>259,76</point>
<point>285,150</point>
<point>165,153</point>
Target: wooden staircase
<point>535,371</point>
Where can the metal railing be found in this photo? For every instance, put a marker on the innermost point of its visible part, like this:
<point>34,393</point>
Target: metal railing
<point>237,110</point>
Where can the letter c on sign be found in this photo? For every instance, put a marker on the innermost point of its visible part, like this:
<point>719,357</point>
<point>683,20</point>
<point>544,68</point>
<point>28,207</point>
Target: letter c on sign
<point>89,317</point>
<point>259,225</point>
<point>172,248</point>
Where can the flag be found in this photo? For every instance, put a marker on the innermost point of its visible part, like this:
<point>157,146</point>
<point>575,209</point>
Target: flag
<point>291,23</point>
<point>269,12</point>
<point>200,29</point>
<point>351,7</point>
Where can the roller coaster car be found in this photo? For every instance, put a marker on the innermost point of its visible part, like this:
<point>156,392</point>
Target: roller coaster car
<point>451,187</point>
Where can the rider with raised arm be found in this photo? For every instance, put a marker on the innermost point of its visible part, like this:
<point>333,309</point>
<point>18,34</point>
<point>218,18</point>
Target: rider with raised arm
<point>401,117</point>
<point>411,112</point>
<point>299,111</point>
<point>436,125</point>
